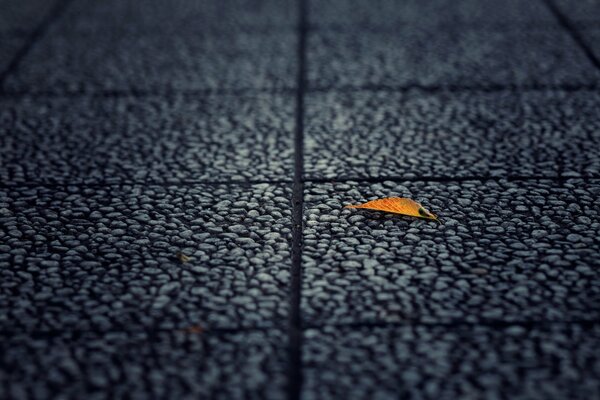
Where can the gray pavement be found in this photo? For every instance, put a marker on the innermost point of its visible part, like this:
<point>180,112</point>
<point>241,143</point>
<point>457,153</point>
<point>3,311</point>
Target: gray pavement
<point>234,132</point>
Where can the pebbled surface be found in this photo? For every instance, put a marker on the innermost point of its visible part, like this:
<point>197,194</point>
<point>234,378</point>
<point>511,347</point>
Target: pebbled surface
<point>509,251</point>
<point>591,37</point>
<point>9,47</point>
<point>125,124</point>
<point>581,11</point>
<point>419,134</point>
<point>142,366</point>
<point>452,362</point>
<point>105,258</point>
<point>23,16</point>
<point>449,56</point>
<point>179,16</point>
<point>152,139</point>
<point>391,14</point>
<point>124,62</point>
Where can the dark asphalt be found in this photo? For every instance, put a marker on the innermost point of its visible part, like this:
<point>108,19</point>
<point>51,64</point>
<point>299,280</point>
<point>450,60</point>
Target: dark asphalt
<point>234,132</point>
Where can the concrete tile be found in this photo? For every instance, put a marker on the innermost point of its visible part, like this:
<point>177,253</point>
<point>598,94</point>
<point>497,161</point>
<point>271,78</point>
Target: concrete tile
<point>157,16</point>
<point>154,139</point>
<point>508,251</point>
<point>106,258</point>
<point>142,365</point>
<point>23,16</point>
<point>9,47</point>
<point>441,362</point>
<point>580,11</point>
<point>391,14</point>
<point>160,62</point>
<point>419,134</point>
<point>450,56</point>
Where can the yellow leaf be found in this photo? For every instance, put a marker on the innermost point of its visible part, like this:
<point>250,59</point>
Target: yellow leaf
<point>398,205</point>
<point>196,329</point>
<point>183,258</point>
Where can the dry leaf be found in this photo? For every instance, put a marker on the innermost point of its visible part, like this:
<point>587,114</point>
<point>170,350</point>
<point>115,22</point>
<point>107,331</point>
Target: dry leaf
<point>398,205</point>
<point>183,258</point>
<point>197,329</point>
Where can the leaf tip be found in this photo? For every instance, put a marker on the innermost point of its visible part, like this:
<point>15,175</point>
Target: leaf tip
<point>183,258</point>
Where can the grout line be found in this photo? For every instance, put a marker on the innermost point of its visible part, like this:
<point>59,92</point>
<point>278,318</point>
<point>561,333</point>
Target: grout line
<point>51,185</point>
<point>250,92</point>
<point>150,332</point>
<point>450,89</point>
<point>575,35</point>
<point>57,10</point>
<point>443,179</point>
<point>134,93</point>
<point>414,323</point>
<point>143,183</point>
<point>295,322</point>
<point>452,324</point>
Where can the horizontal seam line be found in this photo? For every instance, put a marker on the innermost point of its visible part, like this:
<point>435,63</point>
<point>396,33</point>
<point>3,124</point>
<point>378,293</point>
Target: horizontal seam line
<point>309,326</point>
<point>290,91</point>
<point>288,182</point>
<point>446,179</point>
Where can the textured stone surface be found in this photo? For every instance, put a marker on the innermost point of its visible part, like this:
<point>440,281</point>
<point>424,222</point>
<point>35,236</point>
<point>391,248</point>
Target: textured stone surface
<point>152,139</point>
<point>591,37</point>
<point>580,11</point>
<point>453,362</point>
<point>390,14</point>
<point>105,258</point>
<point>504,251</point>
<point>141,366</point>
<point>178,15</point>
<point>417,134</point>
<point>9,46</point>
<point>108,174</point>
<point>451,56</point>
<point>154,62</point>
<point>23,16</point>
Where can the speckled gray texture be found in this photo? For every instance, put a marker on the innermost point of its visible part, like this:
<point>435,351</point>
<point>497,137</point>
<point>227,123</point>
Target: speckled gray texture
<point>417,134</point>
<point>152,139</point>
<point>9,46</point>
<point>135,132</point>
<point>23,16</point>
<point>164,365</point>
<point>580,11</point>
<point>453,362</point>
<point>391,14</point>
<point>450,56</point>
<point>105,258</point>
<point>591,37</point>
<point>157,62</point>
<point>507,251</point>
<point>179,15</point>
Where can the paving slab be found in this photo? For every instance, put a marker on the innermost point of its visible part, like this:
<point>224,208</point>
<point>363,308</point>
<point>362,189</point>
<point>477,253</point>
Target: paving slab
<point>390,14</point>
<point>509,251</point>
<point>9,47</point>
<point>23,16</point>
<point>456,362</point>
<point>113,61</point>
<point>581,11</point>
<point>105,258</point>
<point>143,365</point>
<point>178,15</point>
<point>591,37</point>
<point>453,134</point>
<point>451,56</point>
<point>151,139</point>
